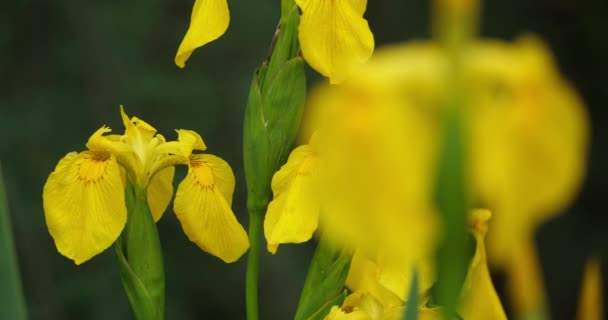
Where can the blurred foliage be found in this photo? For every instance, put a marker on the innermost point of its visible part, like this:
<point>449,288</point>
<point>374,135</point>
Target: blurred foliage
<point>66,66</point>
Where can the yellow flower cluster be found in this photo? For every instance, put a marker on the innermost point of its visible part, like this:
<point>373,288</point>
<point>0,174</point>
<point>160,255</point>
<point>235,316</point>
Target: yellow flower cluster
<point>367,177</point>
<point>84,198</point>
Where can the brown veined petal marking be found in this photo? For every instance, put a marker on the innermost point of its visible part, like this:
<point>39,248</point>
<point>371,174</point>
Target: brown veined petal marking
<point>203,207</point>
<point>84,204</point>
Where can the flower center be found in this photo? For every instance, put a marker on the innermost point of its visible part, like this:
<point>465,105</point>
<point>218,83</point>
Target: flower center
<point>204,173</point>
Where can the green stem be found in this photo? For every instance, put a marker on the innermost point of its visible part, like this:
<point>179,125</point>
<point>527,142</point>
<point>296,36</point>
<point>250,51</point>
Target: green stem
<point>256,217</point>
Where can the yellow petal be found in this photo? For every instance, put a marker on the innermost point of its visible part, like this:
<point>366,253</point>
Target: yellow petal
<point>187,141</point>
<point>293,214</point>
<point>364,275</point>
<point>111,143</point>
<point>160,192</point>
<point>202,205</point>
<point>525,281</point>
<point>84,204</point>
<point>209,21</point>
<point>529,146</point>
<point>334,36</point>
<point>336,313</point>
<point>479,299</point>
<point>591,305</point>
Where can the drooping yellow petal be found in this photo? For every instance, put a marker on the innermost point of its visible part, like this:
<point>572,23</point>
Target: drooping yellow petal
<point>478,298</point>
<point>209,21</point>
<point>334,36</point>
<point>293,214</point>
<point>202,205</point>
<point>591,306</point>
<point>84,204</point>
<point>160,192</point>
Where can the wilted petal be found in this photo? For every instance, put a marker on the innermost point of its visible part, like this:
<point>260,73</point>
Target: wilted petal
<point>209,21</point>
<point>202,205</point>
<point>84,204</point>
<point>293,214</point>
<point>334,36</point>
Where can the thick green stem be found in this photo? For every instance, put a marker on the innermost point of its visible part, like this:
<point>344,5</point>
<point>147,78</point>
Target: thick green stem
<point>256,217</point>
<point>140,258</point>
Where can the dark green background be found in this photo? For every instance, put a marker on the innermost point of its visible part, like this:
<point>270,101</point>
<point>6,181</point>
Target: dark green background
<point>65,66</point>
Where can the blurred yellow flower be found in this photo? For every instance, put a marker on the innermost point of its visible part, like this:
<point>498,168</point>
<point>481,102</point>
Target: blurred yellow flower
<point>209,21</point>
<point>529,139</point>
<point>84,200</point>
<point>373,299</point>
<point>334,36</point>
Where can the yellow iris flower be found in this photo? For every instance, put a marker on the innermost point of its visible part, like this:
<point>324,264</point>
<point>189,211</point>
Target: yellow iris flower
<point>334,36</point>
<point>84,201</point>
<point>373,300</point>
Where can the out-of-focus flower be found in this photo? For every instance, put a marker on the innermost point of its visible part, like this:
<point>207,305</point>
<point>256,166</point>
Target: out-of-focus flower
<point>591,306</point>
<point>529,139</point>
<point>209,21</point>
<point>372,299</point>
<point>378,137</point>
<point>84,200</point>
<point>334,36</point>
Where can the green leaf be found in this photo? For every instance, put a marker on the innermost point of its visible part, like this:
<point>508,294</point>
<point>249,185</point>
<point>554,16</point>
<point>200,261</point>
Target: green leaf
<point>411,307</point>
<point>324,310</point>
<point>12,303</point>
<point>140,258</point>
<point>453,206</point>
<point>324,282</point>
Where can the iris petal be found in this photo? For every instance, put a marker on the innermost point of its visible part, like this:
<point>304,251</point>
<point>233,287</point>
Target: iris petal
<point>160,192</point>
<point>202,205</point>
<point>84,204</point>
<point>334,36</point>
<point>209,21</point>
<point>293,214</point>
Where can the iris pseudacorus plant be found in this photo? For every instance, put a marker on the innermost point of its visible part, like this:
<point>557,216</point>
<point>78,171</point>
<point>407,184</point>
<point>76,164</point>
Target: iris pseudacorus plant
<point>84,197</point>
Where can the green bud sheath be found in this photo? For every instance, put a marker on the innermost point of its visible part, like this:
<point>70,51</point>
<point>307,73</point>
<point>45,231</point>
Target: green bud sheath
<point>140,258</point>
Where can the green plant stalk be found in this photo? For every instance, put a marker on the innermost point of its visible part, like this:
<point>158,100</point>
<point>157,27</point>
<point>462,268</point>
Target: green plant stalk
<point>253,264</point>
<point>272,119</point>
<point>140,258</point>
<point>12,303</point>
